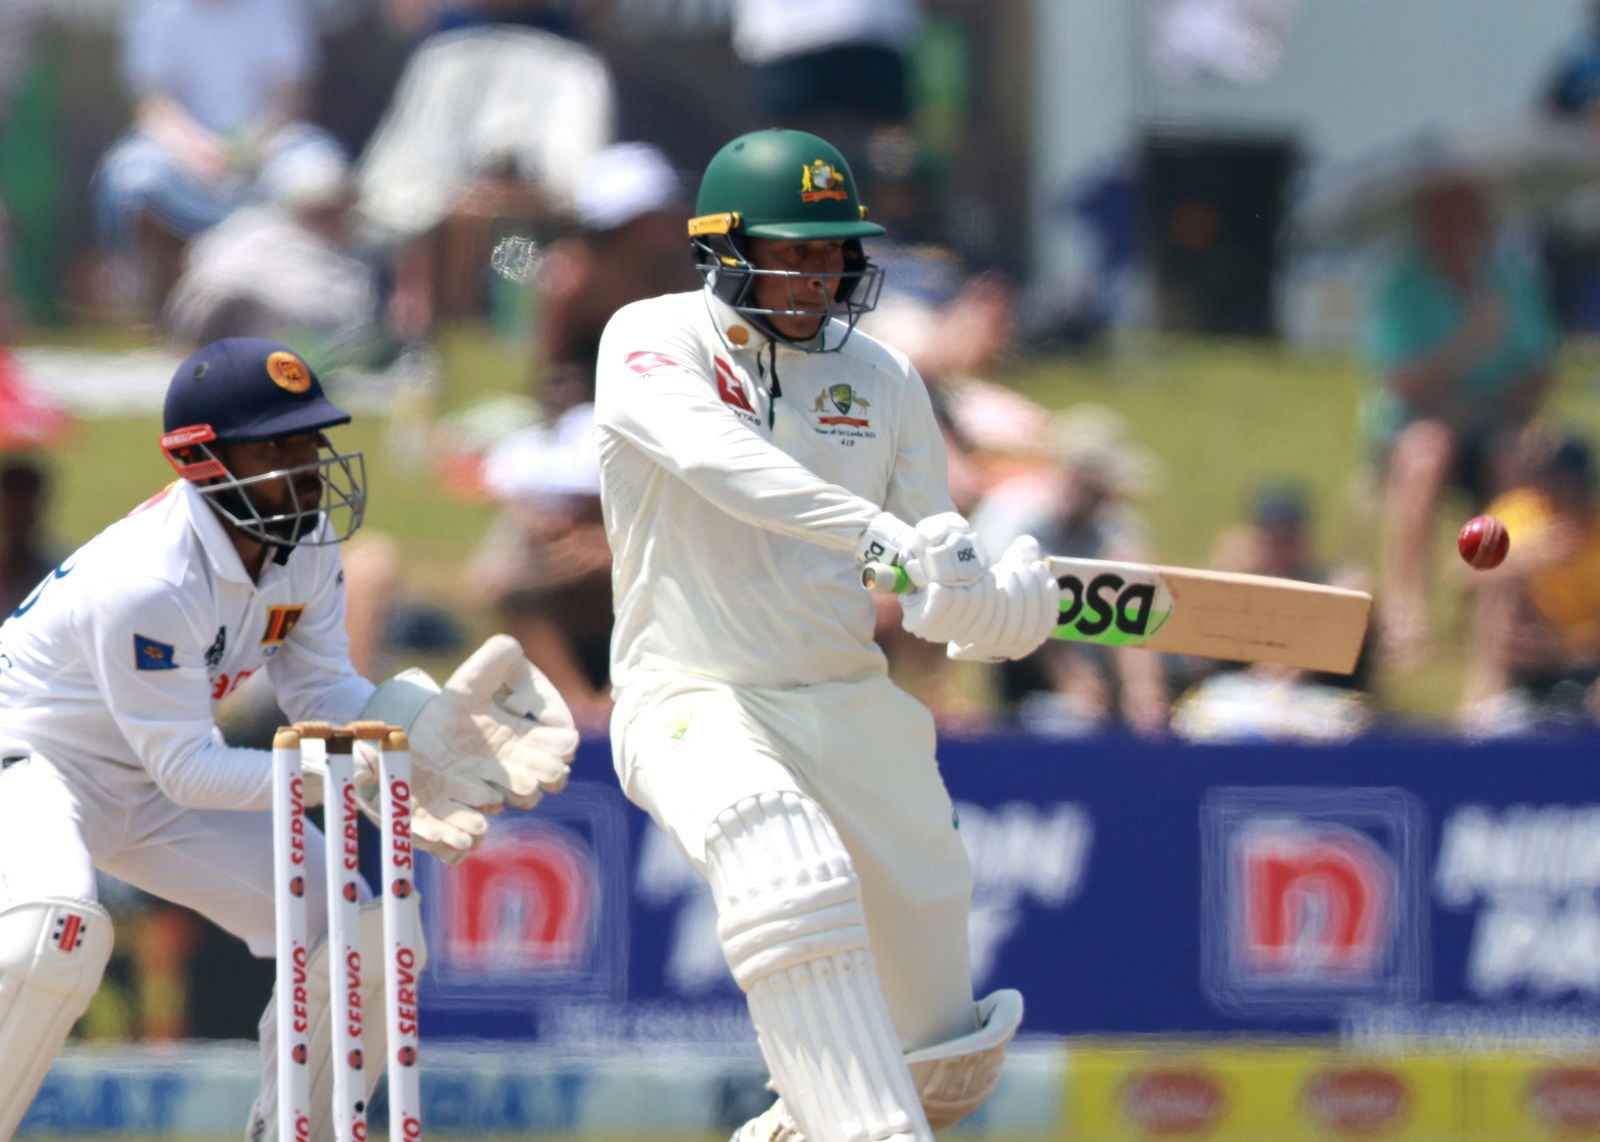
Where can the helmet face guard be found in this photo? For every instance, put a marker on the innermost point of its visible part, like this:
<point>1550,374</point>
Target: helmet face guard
<point>342,503</point>
<point>729,273</point>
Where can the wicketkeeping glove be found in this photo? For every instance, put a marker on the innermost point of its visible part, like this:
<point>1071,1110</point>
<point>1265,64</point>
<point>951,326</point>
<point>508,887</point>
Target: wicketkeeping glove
<point>497,734</point>
<point>1006,614</point>
<point>447,829</point>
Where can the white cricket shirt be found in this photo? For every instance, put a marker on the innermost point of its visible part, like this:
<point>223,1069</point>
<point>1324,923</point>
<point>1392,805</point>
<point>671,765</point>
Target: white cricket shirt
<point>733,516</point>
<point>111,667</point>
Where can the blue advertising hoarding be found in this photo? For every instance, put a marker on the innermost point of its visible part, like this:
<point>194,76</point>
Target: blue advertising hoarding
<point>1389,886</point>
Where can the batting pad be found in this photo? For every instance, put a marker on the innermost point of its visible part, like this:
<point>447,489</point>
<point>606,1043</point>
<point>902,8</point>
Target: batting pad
<point>956,1077</point>
<point>793,931</point>
<point>319,1010</point>
<point>53,952</point>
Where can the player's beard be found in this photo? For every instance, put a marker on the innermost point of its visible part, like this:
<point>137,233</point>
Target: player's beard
<point>287,531</point>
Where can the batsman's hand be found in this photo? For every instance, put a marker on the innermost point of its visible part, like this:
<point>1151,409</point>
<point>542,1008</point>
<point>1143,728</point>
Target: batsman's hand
<point>1007,614</point>
<point>496,734</point>
<point>940,549</point>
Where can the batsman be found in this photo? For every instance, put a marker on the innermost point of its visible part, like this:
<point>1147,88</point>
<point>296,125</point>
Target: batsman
<point>755,452</point>
<point>109,672</point>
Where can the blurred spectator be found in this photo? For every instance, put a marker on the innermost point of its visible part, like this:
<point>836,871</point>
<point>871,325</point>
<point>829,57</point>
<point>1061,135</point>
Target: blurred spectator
<point>957,327</point>
<point>1275,539</point>
<point>958,330</point>
<point>25,554</point>
<point>1572,241</point>
<point>282,268</point>
<point>19,26</point>
<point>1242,41</point>
<point>632,246</point>
<point>1572,91</point>
<point>1461,342</point>
<point>836,68</point>
<point>1080,505</point>
<point>545,565</point>
<point>497,112</point>
<point>1264,701</point>
<point>219,87</point>
<point>1535,647</point>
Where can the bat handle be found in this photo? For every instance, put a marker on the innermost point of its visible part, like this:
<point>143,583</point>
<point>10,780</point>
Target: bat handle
<point>885,579</point>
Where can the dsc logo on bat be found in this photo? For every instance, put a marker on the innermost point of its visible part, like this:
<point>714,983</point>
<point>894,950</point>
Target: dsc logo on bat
<point>1120,607</point>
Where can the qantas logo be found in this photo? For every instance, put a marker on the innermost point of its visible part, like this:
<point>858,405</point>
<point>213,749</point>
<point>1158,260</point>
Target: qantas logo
<point>731,389</point>
<point>643,363</point>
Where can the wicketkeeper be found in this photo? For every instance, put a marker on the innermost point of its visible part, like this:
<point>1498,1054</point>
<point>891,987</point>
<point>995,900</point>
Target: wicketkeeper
<point>754,454</point>
<point>108,675</point>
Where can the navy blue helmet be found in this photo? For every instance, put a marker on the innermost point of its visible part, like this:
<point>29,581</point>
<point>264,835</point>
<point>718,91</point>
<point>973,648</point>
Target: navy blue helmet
<point>244,390</point>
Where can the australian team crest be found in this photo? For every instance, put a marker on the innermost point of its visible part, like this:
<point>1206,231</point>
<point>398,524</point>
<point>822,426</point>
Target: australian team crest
<point>819,180</point>
<point>843,397</point>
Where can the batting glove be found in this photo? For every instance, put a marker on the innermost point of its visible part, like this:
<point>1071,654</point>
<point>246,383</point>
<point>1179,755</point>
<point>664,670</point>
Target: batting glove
<point>939,549</point>
<point>1006,614</point>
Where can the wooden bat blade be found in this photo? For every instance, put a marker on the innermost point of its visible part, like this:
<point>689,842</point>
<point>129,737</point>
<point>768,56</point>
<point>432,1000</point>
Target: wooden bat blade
<point>1214,614</point>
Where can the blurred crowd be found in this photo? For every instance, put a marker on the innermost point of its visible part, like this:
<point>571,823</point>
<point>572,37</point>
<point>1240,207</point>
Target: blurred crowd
<point>471,167</point>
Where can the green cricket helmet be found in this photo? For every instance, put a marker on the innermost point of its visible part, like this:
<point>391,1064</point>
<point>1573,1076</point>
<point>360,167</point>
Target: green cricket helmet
<point>793,186</point>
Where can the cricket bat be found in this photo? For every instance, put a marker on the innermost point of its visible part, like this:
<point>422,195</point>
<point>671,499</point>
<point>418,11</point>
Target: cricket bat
<point>1180,610</point>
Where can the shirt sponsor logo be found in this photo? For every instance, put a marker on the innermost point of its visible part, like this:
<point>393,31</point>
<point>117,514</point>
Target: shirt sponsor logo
<point>643,363</point>
<point>819,181</point>
<point>280,621</point>
<point>148,654</point>
<point>217,649</point>
<point>731,389</point>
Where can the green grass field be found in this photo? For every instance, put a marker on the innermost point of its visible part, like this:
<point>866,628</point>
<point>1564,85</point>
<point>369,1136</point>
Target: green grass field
<point>1221,415</point>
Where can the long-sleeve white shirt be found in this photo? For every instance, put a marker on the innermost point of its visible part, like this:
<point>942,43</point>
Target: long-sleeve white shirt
<point>112,666</point>
<point>733,514</point>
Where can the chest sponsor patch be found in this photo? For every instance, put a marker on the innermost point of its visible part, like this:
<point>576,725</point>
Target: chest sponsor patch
<point>280,621</point>
<point>148,654</point>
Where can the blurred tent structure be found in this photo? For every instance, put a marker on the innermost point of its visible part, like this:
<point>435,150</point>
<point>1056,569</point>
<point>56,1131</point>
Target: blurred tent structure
<point>1526,170</point>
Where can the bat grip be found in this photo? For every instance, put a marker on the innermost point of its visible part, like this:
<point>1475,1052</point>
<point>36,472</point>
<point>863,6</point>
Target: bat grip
<point>886,579</point>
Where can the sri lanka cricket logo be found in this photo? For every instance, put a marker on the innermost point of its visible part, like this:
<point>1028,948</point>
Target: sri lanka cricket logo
<point>818,180</point>
<point>843,398</point>
<point>288,372</point>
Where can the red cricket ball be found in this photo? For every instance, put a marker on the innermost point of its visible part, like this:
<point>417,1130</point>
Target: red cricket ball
<point>1483,543</point>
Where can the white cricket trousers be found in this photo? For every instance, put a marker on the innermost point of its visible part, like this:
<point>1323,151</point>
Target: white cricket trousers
<point>54,834</point>
<point>687,748</point>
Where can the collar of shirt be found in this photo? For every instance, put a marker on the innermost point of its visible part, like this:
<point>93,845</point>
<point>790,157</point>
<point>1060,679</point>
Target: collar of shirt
<point>736,330</point>
<point>214,538</point>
